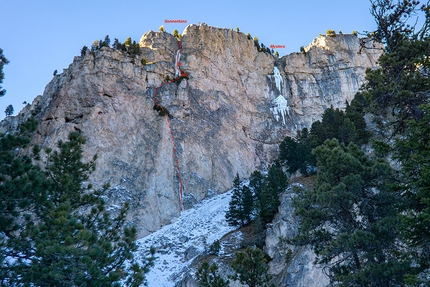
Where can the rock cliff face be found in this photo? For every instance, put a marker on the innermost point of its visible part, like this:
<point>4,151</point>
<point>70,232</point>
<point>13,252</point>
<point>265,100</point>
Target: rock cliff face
<point>291,265</point>
<point>228,117</point>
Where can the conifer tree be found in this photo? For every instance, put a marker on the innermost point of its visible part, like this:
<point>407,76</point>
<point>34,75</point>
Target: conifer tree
<point>241,205</point>
<point>276,183</point>
<point>412,150</point>
<point>251,267</point>
<point>84,50</point>
<point>127,41</point>
<point>257,181</point>
<point>22,187</point>
<point>396,90</point>
<point>60,233</point>
<point>397,95</point>
<point>9,110</point>
<point>208,276</point>
<point>3,61</point>
<point>350,218</point>
<point>176,34</point>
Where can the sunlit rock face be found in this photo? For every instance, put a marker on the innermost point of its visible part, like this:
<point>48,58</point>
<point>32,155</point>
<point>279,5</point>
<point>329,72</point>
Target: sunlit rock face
<point>328,73</point>
<point>228,117</point>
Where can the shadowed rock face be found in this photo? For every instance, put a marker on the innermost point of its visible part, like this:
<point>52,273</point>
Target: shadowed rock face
<point>228,117</point>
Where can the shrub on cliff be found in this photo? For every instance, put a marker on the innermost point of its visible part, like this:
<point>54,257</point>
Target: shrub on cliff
<point>257,44</point>
<point>331,33</point>
<point>176,34</point>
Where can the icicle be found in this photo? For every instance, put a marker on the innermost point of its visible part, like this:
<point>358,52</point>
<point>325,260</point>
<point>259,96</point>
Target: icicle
<point>280,107</point>
<point>278,78</point>
<point>177,62</point>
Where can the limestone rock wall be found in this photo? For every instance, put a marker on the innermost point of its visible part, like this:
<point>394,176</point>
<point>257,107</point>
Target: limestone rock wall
<point>291,265</point>
<point>228,117</point>
<point>329,72</point>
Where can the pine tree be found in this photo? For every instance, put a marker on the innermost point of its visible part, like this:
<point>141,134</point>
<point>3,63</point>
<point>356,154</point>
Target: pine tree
<point>176,34</point>
<point>84,50</point>
<point>9,110</point>
<point>350,218</point>
<point>257,181</point>
<point>241,205</point>
<point>3,61</point>
<point>66,237</point>
<point>397,96</point>
<point>127,41</point>
<point>412,150</point>
<point>208,276</point>
<point>276,183</point>
<point>250,267</point>
<point>290,155</point>
<point>396,90</point>
<point>22,187</point>
<point>257,44</point>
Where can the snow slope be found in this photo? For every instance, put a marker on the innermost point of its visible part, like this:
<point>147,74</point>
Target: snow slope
<point>179,243</point>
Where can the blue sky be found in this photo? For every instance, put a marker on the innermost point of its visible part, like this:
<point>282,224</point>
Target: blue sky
<point>41,36</point>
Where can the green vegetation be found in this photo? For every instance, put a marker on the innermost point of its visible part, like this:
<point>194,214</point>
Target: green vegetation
<point>9,110</point>
<point>176,34</point>
<point>162,111</point>
<point>237,29</point>
<point>56,227</point>
<point>267,197</point>
<point>248,36</point>
<point>251,267</point>
<point>346,221</point>
<point>208,276</point>
<point>349,126</point>
<point>367,219</point>
<point>259,201</point>
<point>302,49</point>
<point>241,204</point>
<point>354,33</point>
<point>214,248</point>
<point>3,61</point>
<point>84,50</point>
<point>330,33</point>
<point>161,29</point>
<point>257,44</point>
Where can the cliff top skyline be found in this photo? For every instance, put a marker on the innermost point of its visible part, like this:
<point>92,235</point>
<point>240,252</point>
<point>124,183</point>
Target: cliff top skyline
<point>41,37</point>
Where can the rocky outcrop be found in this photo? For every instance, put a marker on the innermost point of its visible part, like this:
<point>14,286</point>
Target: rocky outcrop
<point>328,72</point>
<point>229,116</point>
<point>291,265</point>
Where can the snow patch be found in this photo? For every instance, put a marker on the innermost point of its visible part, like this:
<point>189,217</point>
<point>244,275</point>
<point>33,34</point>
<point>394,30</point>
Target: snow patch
<point>177,244</point>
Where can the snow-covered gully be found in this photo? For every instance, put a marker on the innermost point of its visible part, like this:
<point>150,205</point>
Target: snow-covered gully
<point>177,244</point>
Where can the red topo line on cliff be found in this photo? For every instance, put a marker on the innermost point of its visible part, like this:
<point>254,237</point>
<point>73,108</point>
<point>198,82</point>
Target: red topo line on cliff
<point>180,75</point>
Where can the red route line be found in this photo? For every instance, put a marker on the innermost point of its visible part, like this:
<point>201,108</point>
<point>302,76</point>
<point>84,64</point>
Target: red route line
<point>166,116</point>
